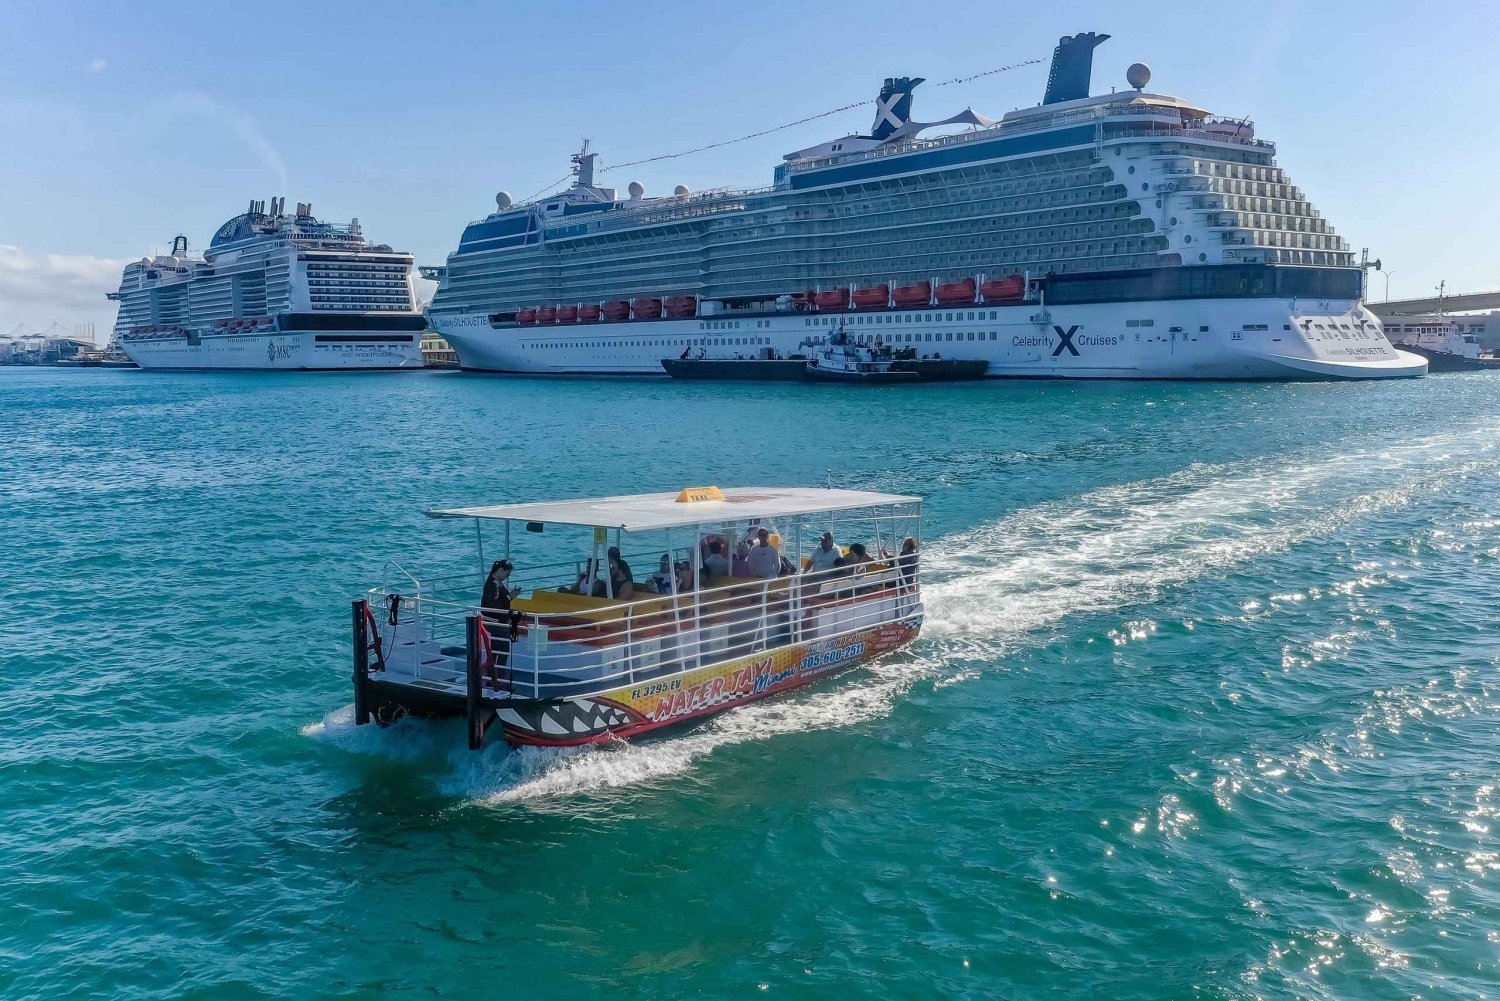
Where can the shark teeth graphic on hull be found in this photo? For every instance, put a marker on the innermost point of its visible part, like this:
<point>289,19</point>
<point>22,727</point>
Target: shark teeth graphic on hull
<point>569,718</point>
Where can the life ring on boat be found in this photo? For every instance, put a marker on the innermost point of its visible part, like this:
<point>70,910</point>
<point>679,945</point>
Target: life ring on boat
<point>372,633</point>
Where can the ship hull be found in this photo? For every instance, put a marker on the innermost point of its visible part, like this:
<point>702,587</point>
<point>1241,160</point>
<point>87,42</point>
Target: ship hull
<point>655,704</point>
<point>1447,361</point>
<point>323,350</point>
<point>1251,338</point>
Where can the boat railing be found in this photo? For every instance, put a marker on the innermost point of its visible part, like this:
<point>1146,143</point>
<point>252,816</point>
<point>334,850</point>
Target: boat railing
<point>556,643</point>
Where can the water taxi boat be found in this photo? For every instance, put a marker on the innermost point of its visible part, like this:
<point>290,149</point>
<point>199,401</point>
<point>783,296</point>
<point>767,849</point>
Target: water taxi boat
<point>747,602</point>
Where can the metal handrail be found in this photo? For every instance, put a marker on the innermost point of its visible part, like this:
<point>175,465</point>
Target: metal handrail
<point>747,616</point>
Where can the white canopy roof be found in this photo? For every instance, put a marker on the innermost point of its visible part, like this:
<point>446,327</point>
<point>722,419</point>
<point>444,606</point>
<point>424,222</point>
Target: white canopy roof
<point>645,512</point>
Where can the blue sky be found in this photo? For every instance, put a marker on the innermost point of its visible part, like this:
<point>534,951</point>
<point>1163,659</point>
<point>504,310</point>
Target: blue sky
<point>124,124</point>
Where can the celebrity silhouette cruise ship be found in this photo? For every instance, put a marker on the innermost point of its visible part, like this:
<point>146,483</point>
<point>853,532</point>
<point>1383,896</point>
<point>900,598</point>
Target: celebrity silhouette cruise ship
<point>1124,235</point>
<point>275,290</point>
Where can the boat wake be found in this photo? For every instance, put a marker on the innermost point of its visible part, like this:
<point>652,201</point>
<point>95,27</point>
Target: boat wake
<point>995,589</point>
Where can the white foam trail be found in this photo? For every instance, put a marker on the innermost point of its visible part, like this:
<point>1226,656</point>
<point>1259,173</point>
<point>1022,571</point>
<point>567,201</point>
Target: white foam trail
<point>535,775</point>
<point>989,588</point>
<point>1123,545</point>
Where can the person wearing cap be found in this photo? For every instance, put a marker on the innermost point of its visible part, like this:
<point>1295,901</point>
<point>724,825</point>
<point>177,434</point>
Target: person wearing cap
<point>764,560</point>
<point>826,556</point>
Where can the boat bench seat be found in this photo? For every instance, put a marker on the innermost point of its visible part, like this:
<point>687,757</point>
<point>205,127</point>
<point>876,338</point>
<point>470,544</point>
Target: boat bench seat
<point>583,606</point>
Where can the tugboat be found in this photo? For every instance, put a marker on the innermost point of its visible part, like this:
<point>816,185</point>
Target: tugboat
<point>1438,339</point>
<point>841,360</point>
<point>575,651</point>
<point>844,362</point>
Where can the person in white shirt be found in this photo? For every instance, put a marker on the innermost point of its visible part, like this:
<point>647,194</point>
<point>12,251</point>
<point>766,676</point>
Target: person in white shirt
<point>765,560</point>
<point>716,564</point>
<point>826,556</point>
<point>589,582</point>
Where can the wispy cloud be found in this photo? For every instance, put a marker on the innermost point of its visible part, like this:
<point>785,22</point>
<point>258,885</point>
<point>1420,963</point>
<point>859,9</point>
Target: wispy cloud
<point>196,105</point>
<point>38,289</point>
<point>97,65</point>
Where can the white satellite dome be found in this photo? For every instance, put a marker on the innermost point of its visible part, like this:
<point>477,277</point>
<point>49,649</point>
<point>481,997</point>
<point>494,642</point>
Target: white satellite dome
<point>681,189</point>
<point>636,189</point>
<point>1138,75</point>
<point>503,201</point>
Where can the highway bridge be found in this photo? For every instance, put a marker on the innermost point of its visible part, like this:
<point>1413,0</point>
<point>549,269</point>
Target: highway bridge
<point>1471,302</point>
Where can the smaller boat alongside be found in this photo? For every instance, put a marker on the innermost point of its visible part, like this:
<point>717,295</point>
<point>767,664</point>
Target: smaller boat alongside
<point>841,359</point>
<point>1438,339</point>
<point>772,369</point>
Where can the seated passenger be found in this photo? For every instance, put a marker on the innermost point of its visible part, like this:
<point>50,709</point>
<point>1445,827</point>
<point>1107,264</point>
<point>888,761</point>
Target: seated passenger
<point>589,582</point>
<point>740,565</point>
<point>619,577</point>
<point>857,557</point>
<point>663,576</point>
<point>684,576</point>
<point>826,556</point>
<point>624,571</point>
<point>715,564</point>
<point>764,560</point>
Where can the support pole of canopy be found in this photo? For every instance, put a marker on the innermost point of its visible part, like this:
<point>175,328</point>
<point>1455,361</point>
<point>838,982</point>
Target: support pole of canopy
<point>474,710</point>
<point>361,665</point>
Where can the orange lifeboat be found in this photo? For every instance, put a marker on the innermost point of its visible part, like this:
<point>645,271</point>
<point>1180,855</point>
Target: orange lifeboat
<point>872,296</point>
<point>616,309</point>
<point>646,309</point>
<point>589,313</point>
<point>837,298</point>
<point>1012,288</point>
<point>681,307</point>
<point>525,317</point>
<point>956,293</point>
<point>801,300</point>
<point>567,314</point>
<point>546,314</point>
<point>919,294</point>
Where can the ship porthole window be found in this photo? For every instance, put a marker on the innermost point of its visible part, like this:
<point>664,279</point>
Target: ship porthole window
<point>1188,238</point>
<point>1174,220</point>
<point>1202,257</point>
<point>1130,170</point>
<point>1145,186</point>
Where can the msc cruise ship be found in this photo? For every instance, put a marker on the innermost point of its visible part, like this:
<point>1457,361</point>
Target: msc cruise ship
<point>1127,235</point>
<point>273,291</point>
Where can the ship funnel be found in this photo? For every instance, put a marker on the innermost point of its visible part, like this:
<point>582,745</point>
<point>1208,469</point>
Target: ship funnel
<point>1072,65</point>
<point>893,106</point>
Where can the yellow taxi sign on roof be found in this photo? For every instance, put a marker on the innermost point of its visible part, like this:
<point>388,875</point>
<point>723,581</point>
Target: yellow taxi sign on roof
<point>692,495</point>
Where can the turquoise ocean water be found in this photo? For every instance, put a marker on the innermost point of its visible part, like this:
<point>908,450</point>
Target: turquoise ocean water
<point>1207,705</point>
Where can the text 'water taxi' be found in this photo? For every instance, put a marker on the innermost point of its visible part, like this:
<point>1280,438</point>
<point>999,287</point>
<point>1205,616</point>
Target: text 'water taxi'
<point>750,594</point>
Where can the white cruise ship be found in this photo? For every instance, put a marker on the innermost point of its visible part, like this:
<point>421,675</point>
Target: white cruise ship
<point>273,291</point>
<point>1127,235</point>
